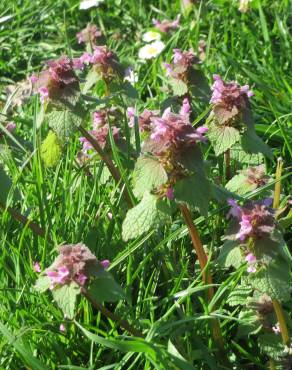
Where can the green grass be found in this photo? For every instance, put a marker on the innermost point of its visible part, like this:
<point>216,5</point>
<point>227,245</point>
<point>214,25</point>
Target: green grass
<point>159,272</point>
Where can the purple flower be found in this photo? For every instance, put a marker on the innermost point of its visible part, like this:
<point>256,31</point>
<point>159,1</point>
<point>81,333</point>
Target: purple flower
<point>235,210</point>
<point>59,277</point>
<point>131,116</point>
<point>166,26</point>
<point>74,263</point>
<point>11,126</point>
<point>99,119</point>
<point>255,219</point>
<point>33,78</point>
<point>181,65</point>
<point>251,261</point>
<point>170,193</point>
<point>88,34</point>
<point>250,258</point>
<point>229,94</point>
<point>174,131</point>
<point>186,108</point>
<point>58,75</point>
<point>80,279</point>
<point>44,94</point>
<point>105,263</point>
<point>37,267</point>
<point>62,328</point>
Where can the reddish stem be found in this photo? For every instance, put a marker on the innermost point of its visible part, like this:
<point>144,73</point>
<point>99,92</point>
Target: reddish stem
<point>24,220</point>
<point>107,160</point>
<point>110,315</point>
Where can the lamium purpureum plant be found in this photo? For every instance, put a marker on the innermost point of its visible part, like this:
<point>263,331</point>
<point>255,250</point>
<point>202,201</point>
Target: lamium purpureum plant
<point>77,271</point>
<point>170,171</point>
<point>185,77</point>
<point>254,239</point>
<point>230,121</point>
<point>64,107</point>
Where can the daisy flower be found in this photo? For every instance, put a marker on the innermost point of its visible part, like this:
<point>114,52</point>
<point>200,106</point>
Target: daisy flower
<point>151,50</point>
<point>151,36</point>
<point>87,4</point>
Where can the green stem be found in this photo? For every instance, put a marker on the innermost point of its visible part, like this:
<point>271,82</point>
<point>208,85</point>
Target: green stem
<point>281,320</point>
<point>110,315</point>
<point>227,165</point>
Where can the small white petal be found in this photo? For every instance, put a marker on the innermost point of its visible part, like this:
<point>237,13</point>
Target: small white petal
<point>151,36</point>
<point>151,50</point>
<point>87,4</point>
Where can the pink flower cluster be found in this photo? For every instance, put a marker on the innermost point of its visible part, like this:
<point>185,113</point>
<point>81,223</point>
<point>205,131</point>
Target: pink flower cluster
<point>166,26</point>
<point>229,94</point>
<point>256,219</point>
<point>59,74</point>
<point>144,119</point>
<point>181,65</point>
<point>103,59</point>
<point>74,263</point>
<point>100,131</point>
<point>89,34</point>
<point>175,131</point>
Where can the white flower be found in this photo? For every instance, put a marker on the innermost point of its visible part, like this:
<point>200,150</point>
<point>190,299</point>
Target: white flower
<point>131,76</point>
<point>244,5</point>
<point>151,36</point>
<point>151,50</point>
<point>86,4</point>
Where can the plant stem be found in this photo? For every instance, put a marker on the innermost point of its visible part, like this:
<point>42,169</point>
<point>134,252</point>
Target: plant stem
<point>277,192</point>
<point>207,277</point>
<point>282,322</point>
<point>107,160</point>
<point>110,315</point>
<point>272,364</point>
<point>227,165</point>
<point>24,220</point>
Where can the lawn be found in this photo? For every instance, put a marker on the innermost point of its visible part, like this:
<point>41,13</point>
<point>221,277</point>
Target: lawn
<point>155,145</point>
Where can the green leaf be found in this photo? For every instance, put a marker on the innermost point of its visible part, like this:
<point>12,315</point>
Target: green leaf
<point>239,184</point>
<point>6,185</point>
<point>64,122</point>
<point>65,296</point>
<point>42,284</point>
<point>149,174</point>
<point>51,151</point>
<point>249,323</point>
<point>104,288</point>
<point>252,143</point>
<point>221,194</point>
<point>239,155</point>
<point>194,190</point>
<point>230,254</point>
<point>271,345</point>
<point>144,216</point>
<point>198,85</point>
<point>239,295</point>
<point>274,280</point>
<point>286,221</point>
<point>191,159</point>
<point>91,79</point>
<point>222,137</point>
<point>179,88</point>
